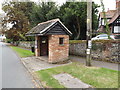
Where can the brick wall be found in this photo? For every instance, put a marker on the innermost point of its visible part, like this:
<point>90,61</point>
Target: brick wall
<point>58,52</point>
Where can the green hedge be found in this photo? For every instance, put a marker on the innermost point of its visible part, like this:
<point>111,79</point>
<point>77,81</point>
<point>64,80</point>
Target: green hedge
<point>94,41</point>
<point>8,40</point>
<point>77,41</point>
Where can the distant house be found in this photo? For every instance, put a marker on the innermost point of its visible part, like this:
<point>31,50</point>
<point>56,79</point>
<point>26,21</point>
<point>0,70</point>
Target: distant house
<point>2,37</point>
<point>114,23</point>
<point>113,18</point>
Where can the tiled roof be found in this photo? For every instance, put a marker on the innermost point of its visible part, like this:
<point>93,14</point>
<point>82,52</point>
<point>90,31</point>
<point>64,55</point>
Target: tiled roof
<point>44,26</point>
<point>109,14</point>
<point>41,26</point>
<point>116,15</point>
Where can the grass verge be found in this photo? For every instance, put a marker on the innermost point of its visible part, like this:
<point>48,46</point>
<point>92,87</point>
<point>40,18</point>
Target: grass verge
<point>97,77</point>
<point>22,52</point>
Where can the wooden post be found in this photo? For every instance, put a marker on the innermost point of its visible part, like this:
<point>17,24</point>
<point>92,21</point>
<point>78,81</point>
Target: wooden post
<point>89,32</point>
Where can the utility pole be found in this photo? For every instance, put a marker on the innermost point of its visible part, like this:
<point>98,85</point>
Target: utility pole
<point>89,32</point>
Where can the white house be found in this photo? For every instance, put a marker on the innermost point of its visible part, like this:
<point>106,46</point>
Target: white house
<point>2,37</point>
<point>113,18</point>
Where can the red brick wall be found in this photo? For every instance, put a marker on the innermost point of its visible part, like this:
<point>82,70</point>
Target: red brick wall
<point>58,52</point>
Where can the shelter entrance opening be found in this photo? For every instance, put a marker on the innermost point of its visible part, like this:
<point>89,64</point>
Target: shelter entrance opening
<point>44,46</point>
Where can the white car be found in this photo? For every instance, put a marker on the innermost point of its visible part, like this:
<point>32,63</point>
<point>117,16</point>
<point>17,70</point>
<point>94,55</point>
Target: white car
<point>102,37</point>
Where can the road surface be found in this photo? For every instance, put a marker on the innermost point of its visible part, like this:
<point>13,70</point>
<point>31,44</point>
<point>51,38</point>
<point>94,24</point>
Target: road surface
<point>14,74</point>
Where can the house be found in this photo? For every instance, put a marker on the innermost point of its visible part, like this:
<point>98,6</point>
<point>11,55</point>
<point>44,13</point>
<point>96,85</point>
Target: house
<point>109,15</point>
<point>51,40</point>
<point>2,37</point>
<point>114,23</point>
<point>113,19</point>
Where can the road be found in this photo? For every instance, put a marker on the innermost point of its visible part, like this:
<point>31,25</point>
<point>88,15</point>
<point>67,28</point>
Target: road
<point>14,74</point>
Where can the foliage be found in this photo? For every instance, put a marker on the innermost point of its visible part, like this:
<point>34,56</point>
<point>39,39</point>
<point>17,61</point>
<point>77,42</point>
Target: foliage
<point>22,52</point>
<point>9,40</point>
<point>94,41</point>
<point>42,12</point>
<point>25,15</point>
<point>105,19</point>
<point>74,14</point>
<point>94,76</point>
<point>18,16</point>
<point>77,41</point>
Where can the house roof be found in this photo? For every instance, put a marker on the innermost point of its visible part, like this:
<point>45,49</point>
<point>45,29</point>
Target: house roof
<point>109,14</point>
<point>116,15</point>
<point>41,28</point>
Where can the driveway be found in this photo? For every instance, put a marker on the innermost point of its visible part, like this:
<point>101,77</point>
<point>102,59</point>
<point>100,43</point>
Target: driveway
<point>108,65</point>
<point>14,74</point>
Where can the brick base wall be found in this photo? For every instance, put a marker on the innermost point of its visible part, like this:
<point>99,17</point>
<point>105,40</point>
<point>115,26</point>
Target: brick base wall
<point>58,52</point>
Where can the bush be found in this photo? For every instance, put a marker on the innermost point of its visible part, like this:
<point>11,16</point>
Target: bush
<point>9,40</point>
<point>77,41</point>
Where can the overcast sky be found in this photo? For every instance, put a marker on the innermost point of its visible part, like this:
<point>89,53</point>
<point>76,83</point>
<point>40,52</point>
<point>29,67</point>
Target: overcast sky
<point>111,4</point>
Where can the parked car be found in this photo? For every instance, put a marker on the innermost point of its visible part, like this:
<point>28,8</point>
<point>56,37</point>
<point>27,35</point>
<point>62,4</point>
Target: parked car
<point>103,37</point>
<point>117,36</point>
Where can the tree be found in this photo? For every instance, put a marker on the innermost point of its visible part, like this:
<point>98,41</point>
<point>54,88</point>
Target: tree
<point>25,15</point>
<point>42,12</point>
<point>74,14</point>
<point>18,16</point>
<point>105,20</point>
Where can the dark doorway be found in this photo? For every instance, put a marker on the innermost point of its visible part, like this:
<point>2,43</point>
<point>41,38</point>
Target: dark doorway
<point>44,46</point>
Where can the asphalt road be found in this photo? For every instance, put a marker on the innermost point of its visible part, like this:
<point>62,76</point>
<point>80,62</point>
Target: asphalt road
<point>14,74</point>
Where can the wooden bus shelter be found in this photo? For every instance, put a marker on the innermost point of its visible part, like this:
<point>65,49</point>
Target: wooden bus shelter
<point>51,40</point>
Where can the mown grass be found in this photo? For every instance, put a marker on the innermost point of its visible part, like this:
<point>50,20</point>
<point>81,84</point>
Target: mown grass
<point>22,52</point>
<point>97,77</point>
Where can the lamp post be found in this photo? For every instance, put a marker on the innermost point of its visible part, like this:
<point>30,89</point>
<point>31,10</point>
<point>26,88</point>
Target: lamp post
<point>89,32</point>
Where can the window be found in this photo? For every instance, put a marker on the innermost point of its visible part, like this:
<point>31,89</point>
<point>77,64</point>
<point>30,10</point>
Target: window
<point>116,29</point>
<point>103,22</point>
<point>61,41</point>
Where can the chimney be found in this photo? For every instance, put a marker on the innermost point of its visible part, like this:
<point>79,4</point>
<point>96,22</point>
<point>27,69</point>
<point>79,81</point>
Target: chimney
<point>117,4</point>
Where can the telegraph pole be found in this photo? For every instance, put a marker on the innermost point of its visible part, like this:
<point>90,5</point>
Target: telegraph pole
<point>89,32</point>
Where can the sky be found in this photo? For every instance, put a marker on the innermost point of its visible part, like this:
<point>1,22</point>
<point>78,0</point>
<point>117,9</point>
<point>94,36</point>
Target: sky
<point>111,4</point>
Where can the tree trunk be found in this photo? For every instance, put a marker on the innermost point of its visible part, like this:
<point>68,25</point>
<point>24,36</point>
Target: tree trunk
<point>78,25</point>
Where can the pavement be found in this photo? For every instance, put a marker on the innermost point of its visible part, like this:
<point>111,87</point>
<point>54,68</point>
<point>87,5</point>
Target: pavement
<point>103,64</point>
<point>37,63</point>
<point>14,74</point>
<point>70,82</point>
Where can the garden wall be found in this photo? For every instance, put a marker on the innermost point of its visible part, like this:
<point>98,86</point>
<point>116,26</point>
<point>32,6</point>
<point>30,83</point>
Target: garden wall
<point>24,44</point>
<point>106,50</point>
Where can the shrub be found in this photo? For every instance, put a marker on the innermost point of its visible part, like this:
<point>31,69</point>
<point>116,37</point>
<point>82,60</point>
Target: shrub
<point>9,40</point>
